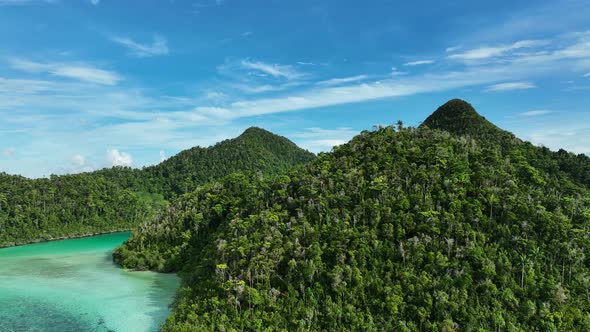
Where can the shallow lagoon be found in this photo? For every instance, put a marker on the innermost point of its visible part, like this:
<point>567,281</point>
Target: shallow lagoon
<point>73,285</point>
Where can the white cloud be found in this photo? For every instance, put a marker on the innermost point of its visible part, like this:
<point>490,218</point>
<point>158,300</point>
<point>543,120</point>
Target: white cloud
<point>9,152</point>
<point>79,164</point>
<point>79,72</point>
<point>419,62</point>
<point>162,156</point>
<point>14,2</point>
<point>571,139</point>
<point>274,70</point>
<point>207,3</point>
<point>510,86</point>
<point>323,144</point>
<point>215,95</point>
<point>330,96</point>
<point>23,2</point>
<point>483,53</point>
<point>79,160</point>
<point>315,132</point>
<point>53,111</point>
<point>396,72</point>
<point>253,88</point>
<point>319,139</point>
<point>116,158</point>
<point>158,47</point>
<point>88,74</point>
<point>453,48</point>
<point>587,75</point>
<point>536,112</point>
<point>24,87</point>
<point>339,81</point>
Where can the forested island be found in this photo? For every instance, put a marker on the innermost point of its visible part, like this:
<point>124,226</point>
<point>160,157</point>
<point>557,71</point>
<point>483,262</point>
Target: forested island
<point>453,225</point>
<point>118,198</point>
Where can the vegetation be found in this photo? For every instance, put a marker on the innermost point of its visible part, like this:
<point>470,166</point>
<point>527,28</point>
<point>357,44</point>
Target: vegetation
<point>119,198</point>
<point>255,151</point>
<point>437,228</point>
<point>66,206</point>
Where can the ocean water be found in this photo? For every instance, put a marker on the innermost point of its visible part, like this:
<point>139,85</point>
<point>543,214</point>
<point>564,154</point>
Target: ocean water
<point>72,285</point>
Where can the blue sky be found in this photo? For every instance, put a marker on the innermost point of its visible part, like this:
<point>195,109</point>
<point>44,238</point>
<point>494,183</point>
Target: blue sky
<point>91,84</point>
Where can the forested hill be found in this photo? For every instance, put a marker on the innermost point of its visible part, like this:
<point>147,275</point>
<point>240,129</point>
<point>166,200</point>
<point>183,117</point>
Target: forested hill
<point>119,198</point>
<point>460,118</point>
<point>401,229</point>
<point>255,150</point>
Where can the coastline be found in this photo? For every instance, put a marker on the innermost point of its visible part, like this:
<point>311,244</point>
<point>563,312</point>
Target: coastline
<point>69,237</point>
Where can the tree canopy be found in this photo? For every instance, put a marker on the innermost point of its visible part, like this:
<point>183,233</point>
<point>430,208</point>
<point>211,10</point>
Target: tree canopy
<point>120,197</point>
<point>401,229</point>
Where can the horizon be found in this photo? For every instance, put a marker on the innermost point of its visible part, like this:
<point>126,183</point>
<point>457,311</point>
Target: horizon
<point>240,135</point>
<point>93,84</point>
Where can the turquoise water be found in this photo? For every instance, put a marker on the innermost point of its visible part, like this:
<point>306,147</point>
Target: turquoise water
<point>72,285</point>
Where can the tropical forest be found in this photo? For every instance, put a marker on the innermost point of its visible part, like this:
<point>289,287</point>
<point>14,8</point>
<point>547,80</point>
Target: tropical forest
<point>294,166</point>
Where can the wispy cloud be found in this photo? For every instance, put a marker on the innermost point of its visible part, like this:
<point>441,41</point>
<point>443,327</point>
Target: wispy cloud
<point>575,139</point>
<point>419,62</point>
<point>158,47</point>
<point>339,81</point>
<point>8,152</point>
<point>320,139</point>
<point>258,88</point>
<point>274,70</point>
<point>79,160</point>
<point>78,163</point>
<point>23,2</point>
<point>498,75</point>
<point>135,119</point>
<point>95,2</point>
<point>207,3</point>
<point>587,74</point>
<point>483,53</point>
<point>510,86</point>
<point>396,72</point>
<point>453,48</point>
<point>75,71</point>
<point>331,96</point>
<point>536,112</point>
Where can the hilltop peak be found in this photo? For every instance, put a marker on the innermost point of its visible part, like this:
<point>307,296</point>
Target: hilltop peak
<point>255,130</point>
<point>459,117</point>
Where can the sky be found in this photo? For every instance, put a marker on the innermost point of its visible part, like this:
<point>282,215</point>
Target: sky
<point>95,83</point>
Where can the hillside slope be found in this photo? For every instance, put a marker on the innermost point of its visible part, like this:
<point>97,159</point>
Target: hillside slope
<point>255,150</point>
<point>119,198</point>
<point>398,230</point>
<point>460,118</point>
<point>68,206</point>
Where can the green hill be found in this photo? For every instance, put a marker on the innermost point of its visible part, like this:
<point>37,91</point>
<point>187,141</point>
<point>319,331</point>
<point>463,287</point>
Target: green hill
<point>401,229</point>
<point>459,117</point>
<point>255,150</point>
<point>119,198</point>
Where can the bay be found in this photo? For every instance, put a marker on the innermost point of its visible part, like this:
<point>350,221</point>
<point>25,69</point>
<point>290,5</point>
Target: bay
<point>73,285</point>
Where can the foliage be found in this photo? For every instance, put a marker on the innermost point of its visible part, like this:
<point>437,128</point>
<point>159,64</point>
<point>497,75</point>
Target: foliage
<point>402,229</point>
<point>66,206</point>
<point>119,198</point>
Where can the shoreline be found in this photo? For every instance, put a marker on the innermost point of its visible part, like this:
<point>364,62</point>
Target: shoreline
<point>60,238</point>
